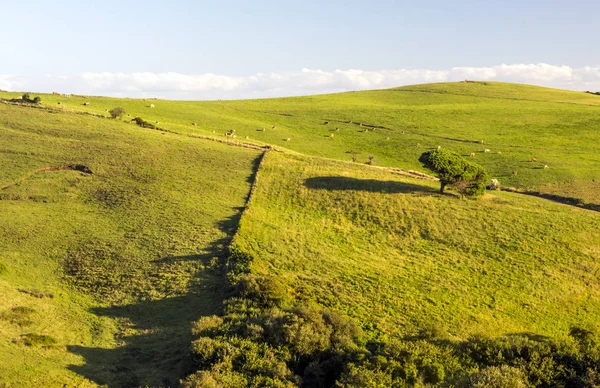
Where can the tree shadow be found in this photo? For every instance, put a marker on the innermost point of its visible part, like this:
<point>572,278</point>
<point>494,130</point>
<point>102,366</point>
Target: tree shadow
<point>155,335</point>
<point>333,183</point>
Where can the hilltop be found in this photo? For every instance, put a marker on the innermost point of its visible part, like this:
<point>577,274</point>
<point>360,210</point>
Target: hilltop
<point>118,237</point>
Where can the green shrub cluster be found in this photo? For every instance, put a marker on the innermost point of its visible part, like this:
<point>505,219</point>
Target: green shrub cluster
<point>27,98</point>
<point>453,170</point>
<point>142,123</point>
<point>267,338</point>
<point>117,112</point>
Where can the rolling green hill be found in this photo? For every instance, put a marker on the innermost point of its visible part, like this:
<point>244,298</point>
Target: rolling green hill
<point>112,265</point>
<point>517,123</point>
<point>115,238</point>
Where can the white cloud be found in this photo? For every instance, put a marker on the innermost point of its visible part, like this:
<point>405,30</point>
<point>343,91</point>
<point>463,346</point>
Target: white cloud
<point>305,81</point>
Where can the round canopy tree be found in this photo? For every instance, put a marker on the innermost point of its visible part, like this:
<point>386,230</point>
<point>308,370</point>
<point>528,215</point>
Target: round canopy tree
<point>454,170</point>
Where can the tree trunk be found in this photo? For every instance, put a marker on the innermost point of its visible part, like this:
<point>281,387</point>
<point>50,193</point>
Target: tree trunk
<point>442,186</point>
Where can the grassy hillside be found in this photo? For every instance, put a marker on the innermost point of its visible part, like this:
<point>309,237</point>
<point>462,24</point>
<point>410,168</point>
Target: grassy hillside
<point>348,276</point>
<point>517,123</point>
<point>115,238</point>
<point>391,252</point>
<point>112,265</point>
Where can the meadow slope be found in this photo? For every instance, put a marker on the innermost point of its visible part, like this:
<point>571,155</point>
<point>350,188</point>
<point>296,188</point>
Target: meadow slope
<point>115,238</point>
<point>110,265</point>
<point>391,252</point>
<point>517,123</point>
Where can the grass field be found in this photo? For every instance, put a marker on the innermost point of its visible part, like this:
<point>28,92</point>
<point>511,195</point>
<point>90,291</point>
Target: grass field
<point>393,253</point>
<point>112,265</point>
<point>557,128</point>
<point>113,237</point>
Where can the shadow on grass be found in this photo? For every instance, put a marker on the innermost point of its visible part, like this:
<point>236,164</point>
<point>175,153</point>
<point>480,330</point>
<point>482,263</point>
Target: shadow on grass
<point>155,335</point>
<point>557,198</point>
<point>333,183</point>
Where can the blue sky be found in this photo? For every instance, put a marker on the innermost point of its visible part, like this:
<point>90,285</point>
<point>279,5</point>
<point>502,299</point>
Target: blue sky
<point>238,40</point>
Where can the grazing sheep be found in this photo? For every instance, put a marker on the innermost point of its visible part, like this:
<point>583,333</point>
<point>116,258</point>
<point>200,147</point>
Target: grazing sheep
<point>230,133</point>
<point>288,139</point>
<point>151,105</point>
<point>545,166</point>
<point>499,152</point>
<point>439,147</point>
<point>487,150</point>
<point>273,127</point>
<point>247,137</point>
<point>533,159</point>
<point>418,144</point>
<point>331,135</point>
<point>515,173</point>
<point>387,138</point>
<point>326,122</point>
<point>157,122</point>
<point>481,141</point>
<point>58,103</point>
<point>193,123</point>
<point>106,110</point>
<point>337,129</point>
<point>349,121</point>
<point>86,103</point>
<point>472,154</point>
<point>494,185</point>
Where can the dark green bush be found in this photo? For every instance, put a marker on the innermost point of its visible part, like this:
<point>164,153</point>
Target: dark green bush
<point>117,112</point>
<point>142,123</point>
<point>452,169</point>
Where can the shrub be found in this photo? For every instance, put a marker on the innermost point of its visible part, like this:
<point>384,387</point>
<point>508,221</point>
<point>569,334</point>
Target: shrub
<point>3,268</point>
<point>452,169</point>
<point>142,123</point>
<point>358,377</point>
<point>207,325</point>
<point>268,291</point>
<point>20,315</point>
<point>27,98</point>
<point>117,112</point>
<point>32,339</point>
<point>498,377</point>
